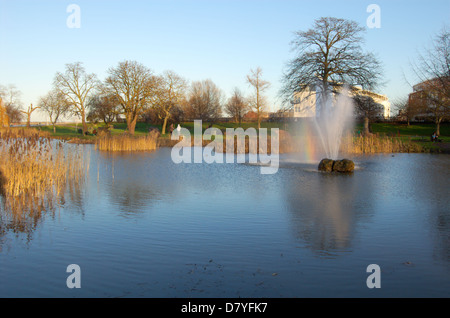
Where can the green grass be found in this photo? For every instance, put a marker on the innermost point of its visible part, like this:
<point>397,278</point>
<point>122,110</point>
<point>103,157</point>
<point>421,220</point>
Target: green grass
<point>422,129</point>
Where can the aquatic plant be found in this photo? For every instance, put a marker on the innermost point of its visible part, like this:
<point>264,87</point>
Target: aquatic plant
<point>127,142</point>
<point>34,172</point>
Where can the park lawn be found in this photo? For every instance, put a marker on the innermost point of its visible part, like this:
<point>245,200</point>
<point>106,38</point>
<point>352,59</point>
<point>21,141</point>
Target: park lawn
<point>140,129</point>
<point>64,131</point>
<point>419,129</point>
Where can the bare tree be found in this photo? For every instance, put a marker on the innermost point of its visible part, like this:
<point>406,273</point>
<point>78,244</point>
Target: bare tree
<point>133,85</point>
<point>432,71</point>
<point>405,109</point>
<point>258,101</point>
<point>236,106</point>
<point>204,101</point>
<point>77,86</point>
<point>55,105</point>
<point>12,103</point>
<point>28,113</point>
<point>171,90</point>
<point>104,108</point>
<point>367,108</point>
<point>330,54</point>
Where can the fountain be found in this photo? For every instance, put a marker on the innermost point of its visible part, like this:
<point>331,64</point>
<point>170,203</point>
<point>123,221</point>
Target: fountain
<point>334,117</point>
<point>322,135</point>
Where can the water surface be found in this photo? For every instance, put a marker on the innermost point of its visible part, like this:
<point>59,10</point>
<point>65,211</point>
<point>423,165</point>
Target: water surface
<point>143,226</point>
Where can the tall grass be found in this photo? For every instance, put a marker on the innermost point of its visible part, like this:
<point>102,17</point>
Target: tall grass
<point>126,142</point>
<point>34,173</point>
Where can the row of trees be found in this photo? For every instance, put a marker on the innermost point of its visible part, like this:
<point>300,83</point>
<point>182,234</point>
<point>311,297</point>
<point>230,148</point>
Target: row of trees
<point>132,90</point>
<point>329,54</point>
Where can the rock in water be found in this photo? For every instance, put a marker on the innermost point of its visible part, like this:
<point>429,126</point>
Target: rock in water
<point>344,165</point>
<point>326,165</point>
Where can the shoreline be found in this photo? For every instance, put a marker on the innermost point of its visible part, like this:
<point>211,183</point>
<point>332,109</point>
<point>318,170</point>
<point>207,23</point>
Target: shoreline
<point>441,148</point>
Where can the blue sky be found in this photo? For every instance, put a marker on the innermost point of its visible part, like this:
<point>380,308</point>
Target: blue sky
<point>199,39</point>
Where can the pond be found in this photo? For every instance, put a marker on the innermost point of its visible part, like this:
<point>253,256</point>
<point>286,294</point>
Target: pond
<point>143,226</point>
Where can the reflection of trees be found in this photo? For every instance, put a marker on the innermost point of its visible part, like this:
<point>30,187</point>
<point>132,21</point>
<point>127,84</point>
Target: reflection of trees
<point>432,190</point>
<point>134,181</point>
<point>130,197</point>
<point>323,209</point>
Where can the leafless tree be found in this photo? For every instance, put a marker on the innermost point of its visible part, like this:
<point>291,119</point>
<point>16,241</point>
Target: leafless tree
<point>55,105</point>
<point>405,109</point>
<point>77,86</point>
<point>237,106</point>
<point>330,54</point>
<point>12,103</point>
<point>28,113</point>
<point>367,108</point>
<point>432,72</point>
<point>133,85</point>
<point>258,101</point>
<point>204,101</point>
<point>171,90</point>
<point>104,108</point>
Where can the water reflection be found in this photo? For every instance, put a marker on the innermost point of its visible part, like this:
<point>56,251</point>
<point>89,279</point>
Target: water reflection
<point>329,210</point>
<point>149,219</point>
<point>322,211</point>
<point>22,212</point>
<point>133,182</point>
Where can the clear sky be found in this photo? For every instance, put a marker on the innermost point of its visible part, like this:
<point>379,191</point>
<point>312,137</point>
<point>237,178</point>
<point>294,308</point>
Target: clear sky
<point>219,40</point>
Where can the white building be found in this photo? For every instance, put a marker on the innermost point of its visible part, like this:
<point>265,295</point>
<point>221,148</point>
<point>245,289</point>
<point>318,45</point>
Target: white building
<point>305,103</point>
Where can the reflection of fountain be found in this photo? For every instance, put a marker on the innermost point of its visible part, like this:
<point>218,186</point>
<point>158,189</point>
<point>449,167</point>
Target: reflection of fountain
<point>323,216</point>
<point>321,136</point>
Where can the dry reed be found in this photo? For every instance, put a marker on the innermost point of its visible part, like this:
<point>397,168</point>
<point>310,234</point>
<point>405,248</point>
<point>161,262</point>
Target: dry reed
<point>369,144</point>
<point>34,173</point>
<point>128,142</point>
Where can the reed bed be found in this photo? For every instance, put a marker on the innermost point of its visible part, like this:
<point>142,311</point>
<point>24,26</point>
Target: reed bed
<point>370,144</point>
<point>127,142</point>
<point>34,173</point>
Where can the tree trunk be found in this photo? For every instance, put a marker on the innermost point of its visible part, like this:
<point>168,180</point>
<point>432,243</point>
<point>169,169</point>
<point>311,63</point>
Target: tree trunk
<point>259,120</point>
<point>163,129</point>
<point>83,122</point>
<point>366,125</point>
<point>131,123</point>
<point>438,126</point>
<point>54,128</point>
